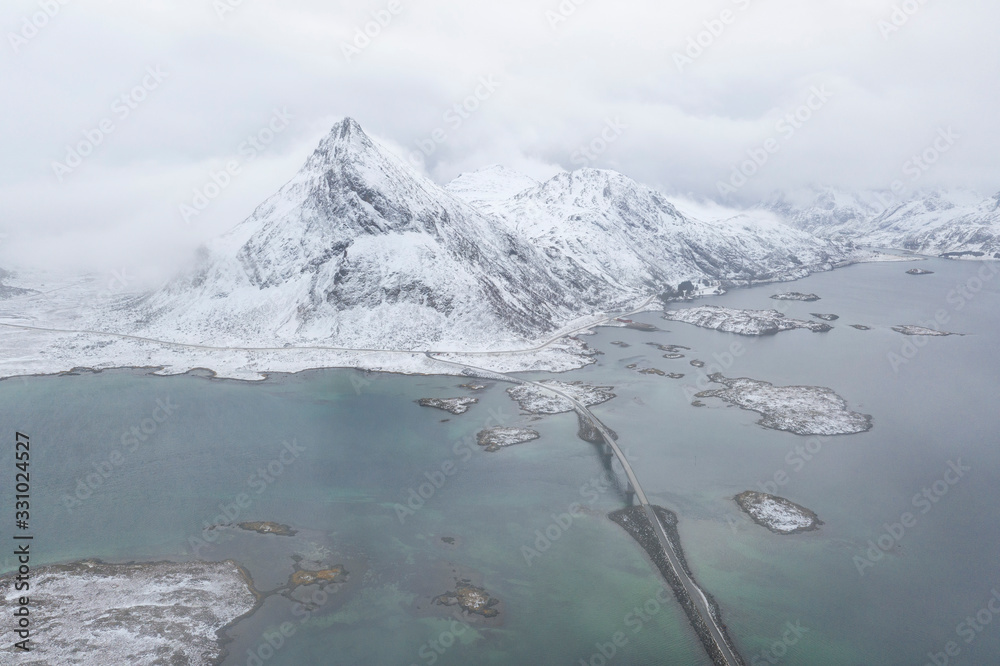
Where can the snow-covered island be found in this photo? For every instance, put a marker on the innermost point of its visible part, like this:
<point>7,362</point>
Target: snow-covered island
<point>796,296</point>
<point>494,439</point>
<point>919,271</point>
<point>777,513</point>
<point>826,317</point>
<point>803,410</point>
<point>742,322</point>
<point>162,613</point>
<point>536,400</point>
<point>454,406</point>
<point>922,331</point>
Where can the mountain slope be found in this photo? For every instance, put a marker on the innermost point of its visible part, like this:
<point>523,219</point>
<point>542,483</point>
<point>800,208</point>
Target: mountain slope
<point>601,223</point>
<point>937,223</point>
<point>358,251</point>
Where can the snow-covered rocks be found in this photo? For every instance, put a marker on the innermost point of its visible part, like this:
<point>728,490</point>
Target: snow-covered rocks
<point>743,322</point>
<point>796,296</point>
<point>803,410</point>
<point>922,331</point>
<point>534,399</point>
<point>163,613</point>
<point>919,271</point>
<point>777,513</point>
<point>826,317</point>
<point>454,406</point>
<point>494,439</point>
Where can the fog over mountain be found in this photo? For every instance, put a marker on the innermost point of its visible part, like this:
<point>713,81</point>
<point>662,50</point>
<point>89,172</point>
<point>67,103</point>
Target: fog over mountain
<point>694,94</point>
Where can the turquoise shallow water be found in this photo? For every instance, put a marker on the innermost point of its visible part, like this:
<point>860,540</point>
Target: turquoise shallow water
<point>363,446</point>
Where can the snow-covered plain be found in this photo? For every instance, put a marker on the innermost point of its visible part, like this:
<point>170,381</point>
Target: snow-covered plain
<point>131,613</point>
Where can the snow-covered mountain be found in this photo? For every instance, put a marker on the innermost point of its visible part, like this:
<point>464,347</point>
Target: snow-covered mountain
<point>944,223</point>
<point>828,211</point>
<point>358,251</point>
<point>937,223</point>
<point>600,223</point>
<point>490,185</point>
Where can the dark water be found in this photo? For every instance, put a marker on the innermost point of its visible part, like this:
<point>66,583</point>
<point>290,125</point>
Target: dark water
<point>362,447</point>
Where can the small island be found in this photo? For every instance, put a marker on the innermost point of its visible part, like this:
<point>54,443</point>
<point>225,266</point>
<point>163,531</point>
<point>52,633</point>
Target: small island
<point>796,296</point>
<point>454,406</point>
<point>743,322</point>
<point>471,599</point>
<point>334,575</point>
<point>922,331</point>
<point>494,439</point>
<point>536,400</point>
<point>861,327</point>
<point>919,271</point>
<point>803,410</point>
<point>276,529</point>
<point>826,317</point>
<point>777,514</point>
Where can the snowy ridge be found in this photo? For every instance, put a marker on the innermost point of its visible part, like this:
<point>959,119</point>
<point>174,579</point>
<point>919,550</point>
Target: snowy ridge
<point>358,251</point>
<point>937,223</point>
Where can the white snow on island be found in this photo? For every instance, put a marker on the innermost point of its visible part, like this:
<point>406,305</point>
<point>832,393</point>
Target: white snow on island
<point>742,322</point>
<point>796,296</point>
<point>536,400</point>
<point>802,410</point>
<point>922,331</point>
<point>163,613</point>
<point>777,513</point>
<point>501,437</point>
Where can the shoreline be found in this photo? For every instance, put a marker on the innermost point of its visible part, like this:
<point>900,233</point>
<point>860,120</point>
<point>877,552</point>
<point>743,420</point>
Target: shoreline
<point>560,361</point>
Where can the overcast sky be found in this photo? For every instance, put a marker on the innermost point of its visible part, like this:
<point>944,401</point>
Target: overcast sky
<point>673,94</point>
